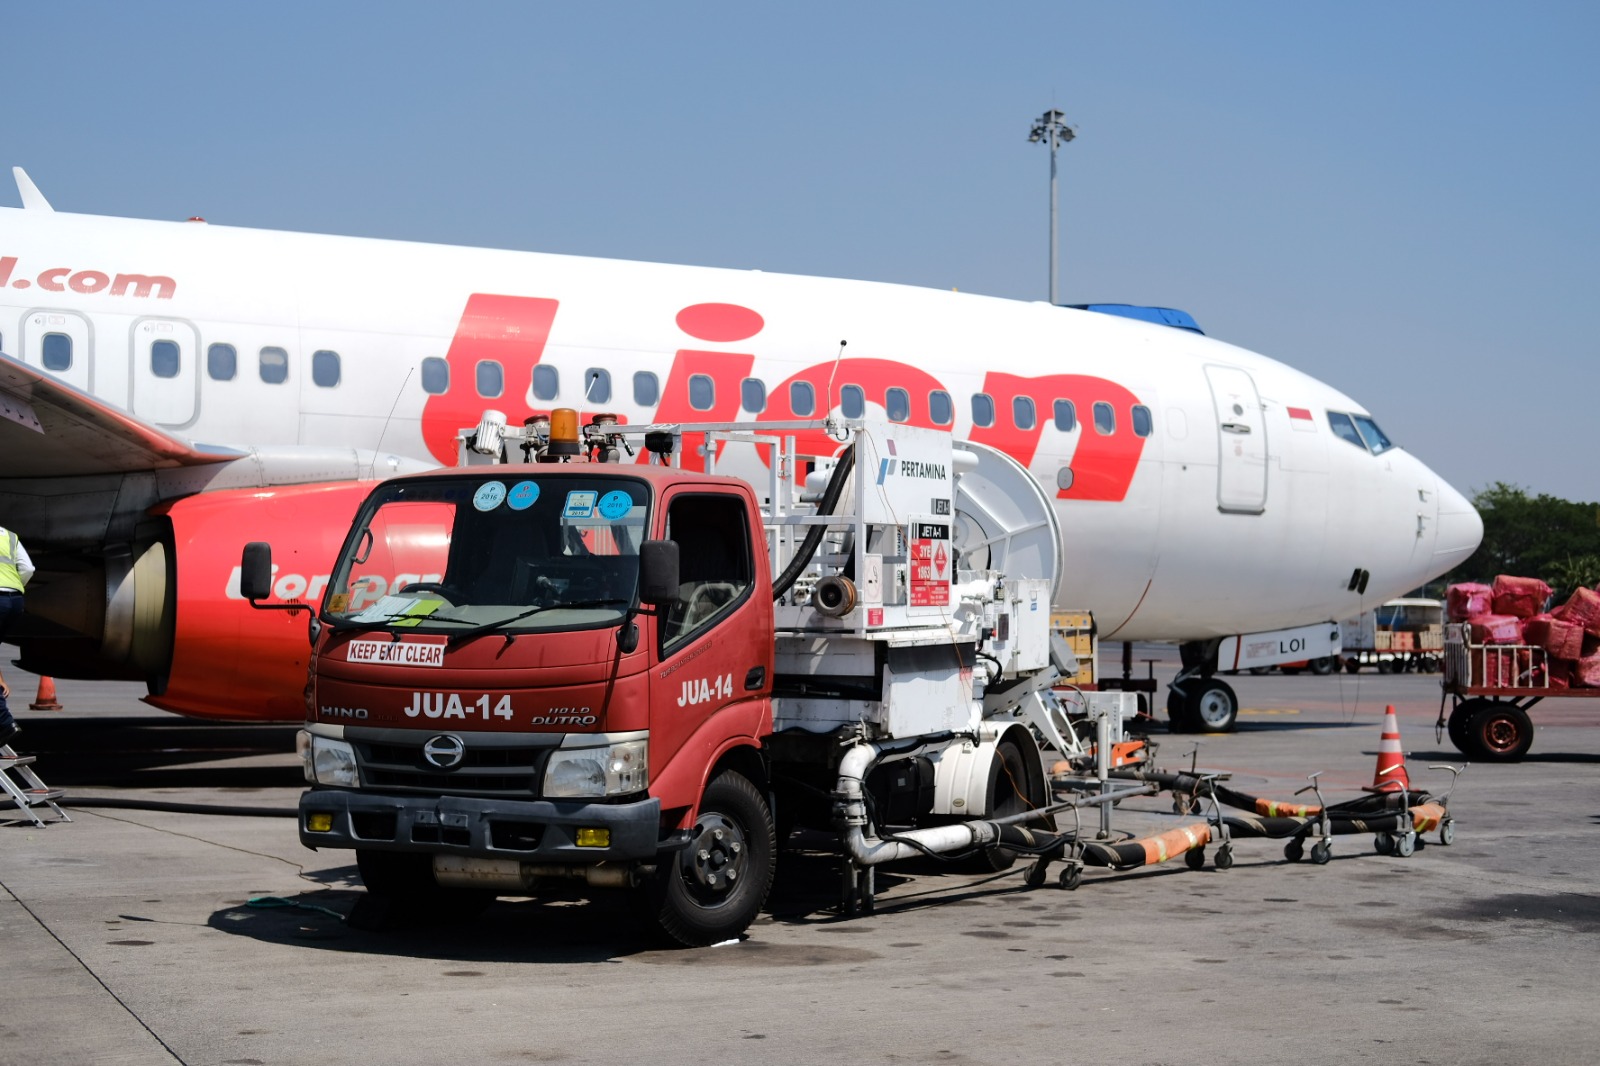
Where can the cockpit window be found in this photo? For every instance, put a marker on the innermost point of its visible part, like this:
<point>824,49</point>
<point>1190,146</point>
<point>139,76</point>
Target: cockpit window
<point>1377,441</point>
<point>1359,430</point>
<point>1345,429</point>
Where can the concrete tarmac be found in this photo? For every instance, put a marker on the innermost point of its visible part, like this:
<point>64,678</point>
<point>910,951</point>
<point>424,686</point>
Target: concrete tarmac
<point>158,936</point>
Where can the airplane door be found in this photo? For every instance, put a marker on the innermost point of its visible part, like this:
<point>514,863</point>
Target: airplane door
<point>166,379</point>
<point>1242,437</point>
<point>61,342</point>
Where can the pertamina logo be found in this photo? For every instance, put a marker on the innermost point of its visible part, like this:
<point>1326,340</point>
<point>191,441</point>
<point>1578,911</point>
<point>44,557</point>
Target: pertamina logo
<point>89,282</point>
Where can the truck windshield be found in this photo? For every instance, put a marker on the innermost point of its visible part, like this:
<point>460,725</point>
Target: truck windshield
<point>513,553</point>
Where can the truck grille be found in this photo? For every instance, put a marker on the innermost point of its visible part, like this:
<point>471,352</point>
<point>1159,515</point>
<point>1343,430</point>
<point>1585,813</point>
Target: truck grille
<point>484,771</point>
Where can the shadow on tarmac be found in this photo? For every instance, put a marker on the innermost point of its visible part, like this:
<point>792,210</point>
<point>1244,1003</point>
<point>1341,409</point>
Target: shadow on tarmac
<point>149,754</point>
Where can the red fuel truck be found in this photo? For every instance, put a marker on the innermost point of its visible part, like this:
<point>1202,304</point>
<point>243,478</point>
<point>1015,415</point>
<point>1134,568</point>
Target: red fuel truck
<point>603,668</point>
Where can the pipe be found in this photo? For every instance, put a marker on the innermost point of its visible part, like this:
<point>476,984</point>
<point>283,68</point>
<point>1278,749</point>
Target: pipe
<point>850,804</point>
<point>813,537</point>
<point>511,875</point>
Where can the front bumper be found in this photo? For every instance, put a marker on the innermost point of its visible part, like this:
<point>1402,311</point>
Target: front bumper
<point>526,830</point>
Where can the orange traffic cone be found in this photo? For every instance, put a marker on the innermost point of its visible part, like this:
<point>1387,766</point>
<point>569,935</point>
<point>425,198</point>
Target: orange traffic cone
<point>46,699</point>
<point>1390,774</point>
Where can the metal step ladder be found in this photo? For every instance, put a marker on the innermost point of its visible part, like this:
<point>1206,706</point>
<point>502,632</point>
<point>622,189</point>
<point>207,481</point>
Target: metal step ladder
<point>28,792</point>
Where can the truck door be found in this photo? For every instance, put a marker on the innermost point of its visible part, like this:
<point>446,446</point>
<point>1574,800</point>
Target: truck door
<point>716,638</point>
<point>1242,438</point>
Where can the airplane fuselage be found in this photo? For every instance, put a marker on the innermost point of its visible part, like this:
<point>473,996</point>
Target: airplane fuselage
<point>1202,489</point>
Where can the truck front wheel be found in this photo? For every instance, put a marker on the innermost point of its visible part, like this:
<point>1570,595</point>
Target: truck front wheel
<point>712,890</point>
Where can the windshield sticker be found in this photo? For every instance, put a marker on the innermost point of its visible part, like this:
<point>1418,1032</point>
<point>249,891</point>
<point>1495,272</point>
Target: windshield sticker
<point>615,504</point>
<point>580,504</point>
<point>398,610</point>
<point>489,495</point>
<point>522,496</point>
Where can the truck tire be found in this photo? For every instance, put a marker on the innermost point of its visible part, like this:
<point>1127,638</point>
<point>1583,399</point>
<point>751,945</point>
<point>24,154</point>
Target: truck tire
<point>1324,666</point>
<point>712,890</point>
<point>1009,783</point>
<point>1500,732</point>
<point>1352,666</point>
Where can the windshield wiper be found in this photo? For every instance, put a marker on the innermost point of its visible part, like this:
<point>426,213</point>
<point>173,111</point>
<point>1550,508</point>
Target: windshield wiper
<point>487,627</point>
<point>429,619</point>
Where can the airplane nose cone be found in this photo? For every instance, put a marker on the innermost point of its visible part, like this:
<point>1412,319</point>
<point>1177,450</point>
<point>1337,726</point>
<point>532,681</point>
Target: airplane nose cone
<point>1460,528</point>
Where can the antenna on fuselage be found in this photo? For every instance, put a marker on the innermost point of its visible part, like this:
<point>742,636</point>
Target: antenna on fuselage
<point>386,421</point>
<point>32,198</point>
<point>828,399</point>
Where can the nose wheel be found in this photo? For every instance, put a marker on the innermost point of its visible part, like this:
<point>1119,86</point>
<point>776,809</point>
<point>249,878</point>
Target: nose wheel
<point>1202,705</point>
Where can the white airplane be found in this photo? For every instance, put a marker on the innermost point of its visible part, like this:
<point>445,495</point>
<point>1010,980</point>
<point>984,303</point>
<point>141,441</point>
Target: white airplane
<point>171,390</point>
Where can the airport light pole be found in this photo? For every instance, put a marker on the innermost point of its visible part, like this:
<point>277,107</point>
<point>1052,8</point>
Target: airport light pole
<point>1052,126</point>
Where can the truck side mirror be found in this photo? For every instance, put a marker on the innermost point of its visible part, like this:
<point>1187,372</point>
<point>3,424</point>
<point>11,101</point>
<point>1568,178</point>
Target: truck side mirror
<point>255,578</point>
<point>255,571</point>
<point>658,571</point>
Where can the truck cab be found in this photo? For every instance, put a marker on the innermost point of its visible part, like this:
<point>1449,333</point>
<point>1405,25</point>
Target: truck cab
<point>530,673</point>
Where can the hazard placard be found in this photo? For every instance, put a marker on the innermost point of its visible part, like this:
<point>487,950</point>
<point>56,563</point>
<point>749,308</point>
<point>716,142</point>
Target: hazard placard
<point>931,560</point>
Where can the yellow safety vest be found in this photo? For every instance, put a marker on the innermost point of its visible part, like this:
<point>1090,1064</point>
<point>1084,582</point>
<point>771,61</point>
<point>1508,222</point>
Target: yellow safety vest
<point>9,578</point>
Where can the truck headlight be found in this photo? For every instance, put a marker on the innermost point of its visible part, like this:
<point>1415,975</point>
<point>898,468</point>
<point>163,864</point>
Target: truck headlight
<point>616,769</point>
<point>326,761</point>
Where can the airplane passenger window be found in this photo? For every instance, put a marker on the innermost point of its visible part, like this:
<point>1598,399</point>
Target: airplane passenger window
<point>222,362</point>
<point>1066,416</point>
<point>803,398</point>
<point>1345,429</point>
<point>702,392</point>
<point>274,366</point>
<point>596,386</point>
<point>646,389</point>
<point>897,405</point>
<point>546,382</point>
<point>1377,441</point>
<point>1141,420</point>
<point>941,411</point>
<point>435,376</point>
<point>325,369</point>
<point>753,395</point>
<point>852,401</point>
<point>1022,412</point>
<point>164,359</point>
<point>1105,419</point>
<point>57,354</point>
<point>982,409</point>
<point>491,379</point>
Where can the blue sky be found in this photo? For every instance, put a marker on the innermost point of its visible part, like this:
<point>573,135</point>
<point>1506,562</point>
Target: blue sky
<point>1396,198</point>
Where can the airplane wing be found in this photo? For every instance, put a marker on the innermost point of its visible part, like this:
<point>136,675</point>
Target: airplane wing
<point>50,429</point>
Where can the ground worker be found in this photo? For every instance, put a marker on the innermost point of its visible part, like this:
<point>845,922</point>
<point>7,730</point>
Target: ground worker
<point>15,570</point>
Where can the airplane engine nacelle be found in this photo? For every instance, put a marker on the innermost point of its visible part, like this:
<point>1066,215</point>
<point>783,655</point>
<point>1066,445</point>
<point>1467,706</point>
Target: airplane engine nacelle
<point>228,659</point>
<point>167,610</point>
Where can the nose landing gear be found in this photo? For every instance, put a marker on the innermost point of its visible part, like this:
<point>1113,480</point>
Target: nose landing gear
<point>1202,705</point>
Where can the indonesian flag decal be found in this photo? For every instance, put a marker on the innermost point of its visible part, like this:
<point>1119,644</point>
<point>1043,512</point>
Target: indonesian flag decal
<point>1300,418</point>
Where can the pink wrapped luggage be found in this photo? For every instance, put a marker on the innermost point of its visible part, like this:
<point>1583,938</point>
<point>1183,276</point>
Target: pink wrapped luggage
<point>1562,640</point>
<point>1496,629</point>
<point>1468,599</point>
<point>1582,609</point>
<point>1520,596</point>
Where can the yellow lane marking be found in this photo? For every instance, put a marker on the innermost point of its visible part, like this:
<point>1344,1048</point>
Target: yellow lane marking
<point>1269,710</point>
